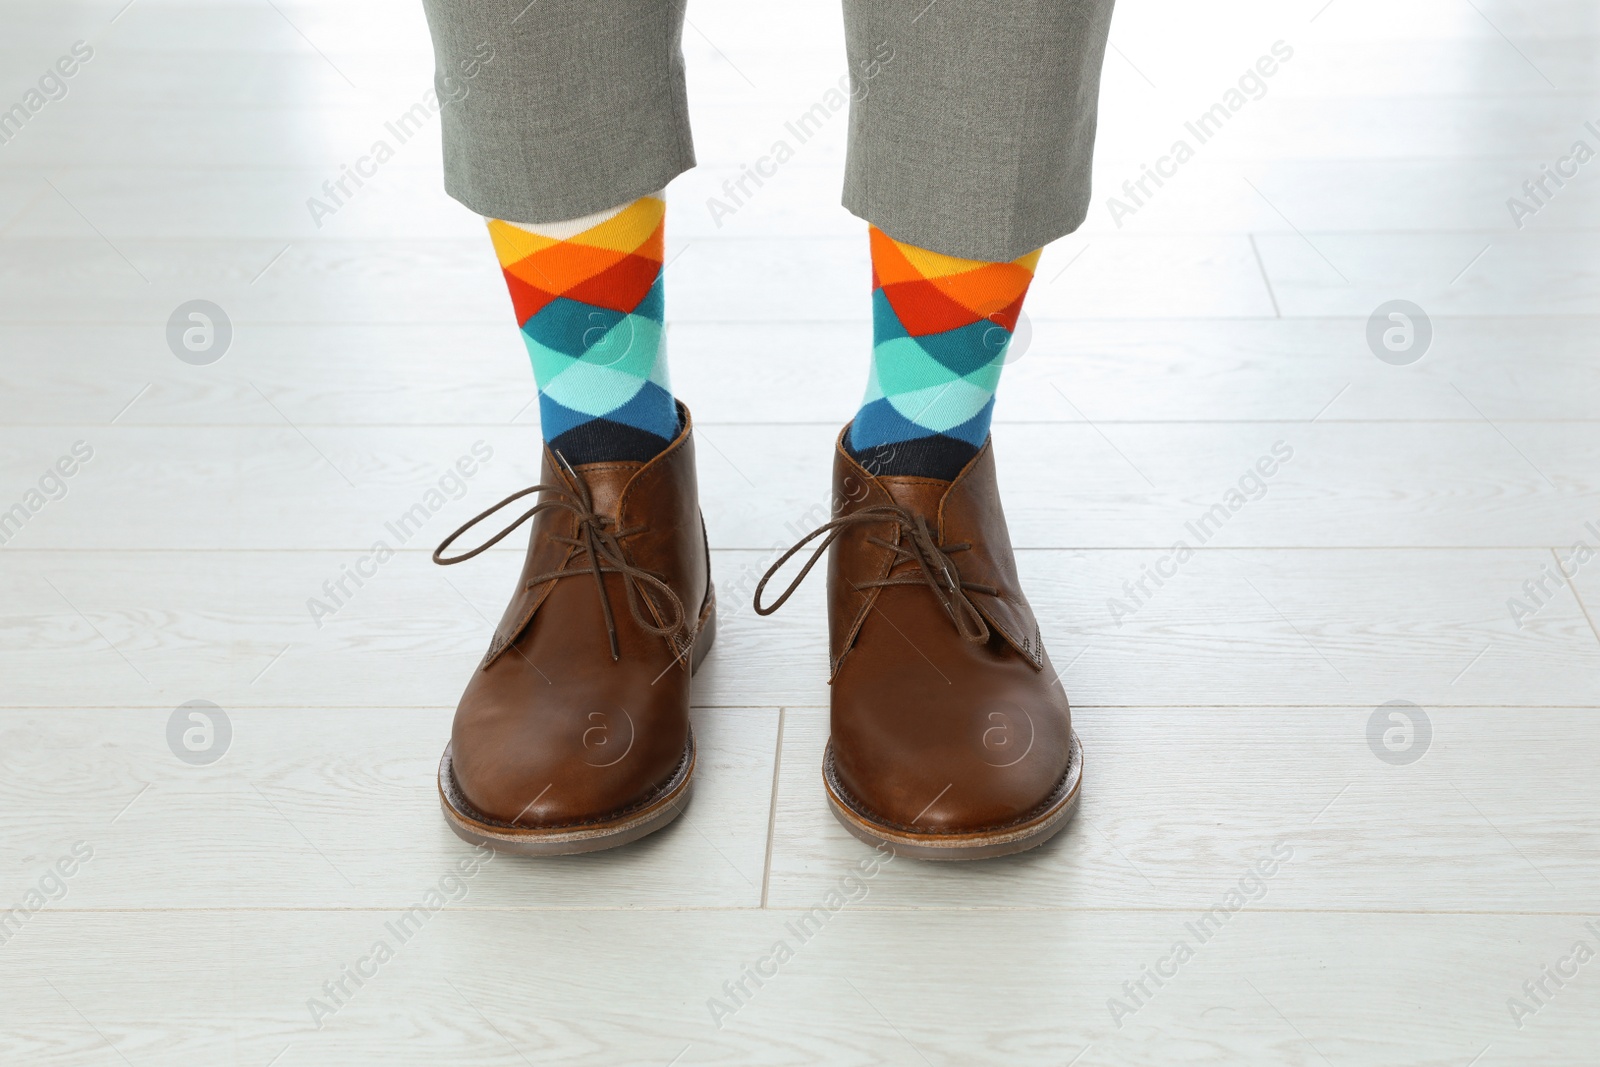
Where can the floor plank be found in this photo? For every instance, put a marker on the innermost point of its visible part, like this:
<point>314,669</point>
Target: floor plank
<point>1251,628</point>
<point>312,809</point>
<point>1196,370</point>
<point>1188,799</point>
<point>1498,272</point>
<point>1073,484</point>
<point>870,988</point>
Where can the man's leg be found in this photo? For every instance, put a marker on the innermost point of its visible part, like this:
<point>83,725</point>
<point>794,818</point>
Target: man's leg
<point>975,138</point>
<point>588,295</point>
<point>971,134</point>
<point>579,108</point>
<point>941,326</point>
<point>563,119</point>
<point>971,129</point>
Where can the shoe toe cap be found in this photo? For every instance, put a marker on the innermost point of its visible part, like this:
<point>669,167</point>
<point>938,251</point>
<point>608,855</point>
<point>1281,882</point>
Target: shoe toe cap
<point>565,764</point>
<point>942,762</point>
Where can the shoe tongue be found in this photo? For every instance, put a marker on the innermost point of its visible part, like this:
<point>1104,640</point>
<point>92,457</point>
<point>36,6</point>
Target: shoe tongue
<point>606,482</point>
<point>920,496</point>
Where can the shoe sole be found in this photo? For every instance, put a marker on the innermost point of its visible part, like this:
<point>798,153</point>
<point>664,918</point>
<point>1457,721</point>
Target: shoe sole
<point>985,844</point>
<point>663,806</point>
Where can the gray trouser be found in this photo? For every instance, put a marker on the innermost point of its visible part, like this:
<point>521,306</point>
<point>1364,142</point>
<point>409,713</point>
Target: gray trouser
<point>971,121</point>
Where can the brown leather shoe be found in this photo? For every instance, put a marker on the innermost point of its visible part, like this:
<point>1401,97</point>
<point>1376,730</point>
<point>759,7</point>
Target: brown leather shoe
<point>951,733</point>
<point>573,734</point>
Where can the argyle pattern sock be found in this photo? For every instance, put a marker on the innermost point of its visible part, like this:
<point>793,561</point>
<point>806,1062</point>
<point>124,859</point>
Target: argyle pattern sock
<point>941,326</point>
<point>588,295</point>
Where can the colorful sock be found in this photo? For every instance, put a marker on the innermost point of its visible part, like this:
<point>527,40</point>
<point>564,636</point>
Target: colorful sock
<point>588,295</point>
<point>941,326</point>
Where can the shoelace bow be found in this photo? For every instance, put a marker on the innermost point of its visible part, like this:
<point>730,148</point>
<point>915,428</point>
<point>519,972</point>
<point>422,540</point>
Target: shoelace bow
<point>601,540</point>
<point>916,543</point>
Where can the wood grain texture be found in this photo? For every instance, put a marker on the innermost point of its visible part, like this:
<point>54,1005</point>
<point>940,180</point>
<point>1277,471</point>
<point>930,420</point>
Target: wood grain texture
<point>1250,628</point>
<point>1178,804</point>
<point>491,988</point>
<point>322,809</point>
<point>1497,272</point>
<point>1075,484</point>
<point>1260,370</point>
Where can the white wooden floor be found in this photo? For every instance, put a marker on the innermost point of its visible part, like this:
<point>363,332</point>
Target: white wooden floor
<point>1227,718</point>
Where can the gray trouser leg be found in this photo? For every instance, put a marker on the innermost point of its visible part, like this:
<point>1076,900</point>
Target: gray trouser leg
<point>581,106</point>
<point>971,121</point>
<point>975,138</point>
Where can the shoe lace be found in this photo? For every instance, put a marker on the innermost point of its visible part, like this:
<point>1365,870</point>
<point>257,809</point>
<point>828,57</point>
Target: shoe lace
<point>599,538</point>
<point>914,543</point>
